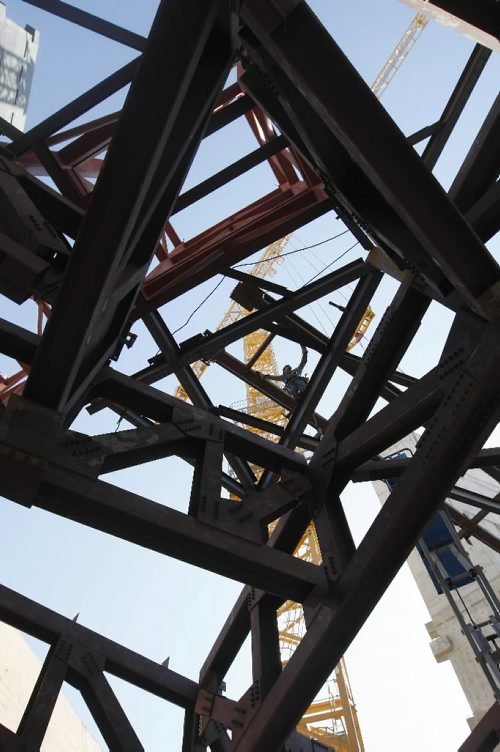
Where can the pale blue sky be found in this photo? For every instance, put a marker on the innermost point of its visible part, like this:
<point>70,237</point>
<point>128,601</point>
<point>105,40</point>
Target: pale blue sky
<point>156,605</point>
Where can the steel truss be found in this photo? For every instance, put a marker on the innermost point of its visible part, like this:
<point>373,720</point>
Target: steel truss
<point>331,147</point>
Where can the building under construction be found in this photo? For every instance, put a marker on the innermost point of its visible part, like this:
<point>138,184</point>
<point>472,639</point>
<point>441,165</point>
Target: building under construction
<point>89,232</point>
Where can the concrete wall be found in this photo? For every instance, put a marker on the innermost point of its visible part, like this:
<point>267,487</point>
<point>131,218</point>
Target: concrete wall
<point>446,640</point>
<point>18,51</point>
<point>19,669</point>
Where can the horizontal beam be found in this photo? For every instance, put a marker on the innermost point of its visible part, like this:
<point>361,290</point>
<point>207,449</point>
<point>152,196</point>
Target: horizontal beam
<point>172,533</point>
<point>152,403</point>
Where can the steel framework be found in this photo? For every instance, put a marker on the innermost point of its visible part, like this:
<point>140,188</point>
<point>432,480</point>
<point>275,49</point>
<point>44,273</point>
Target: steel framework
<point>86,252</point>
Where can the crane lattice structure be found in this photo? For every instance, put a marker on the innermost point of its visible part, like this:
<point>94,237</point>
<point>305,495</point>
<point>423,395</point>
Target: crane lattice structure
<point>398,55</point>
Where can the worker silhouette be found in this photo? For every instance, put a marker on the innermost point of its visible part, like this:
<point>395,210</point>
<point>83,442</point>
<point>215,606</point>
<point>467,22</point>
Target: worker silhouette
<point>293,382</point>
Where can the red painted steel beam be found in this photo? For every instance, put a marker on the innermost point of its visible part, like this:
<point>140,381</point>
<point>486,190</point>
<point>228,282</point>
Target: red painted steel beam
<point>230,241</point>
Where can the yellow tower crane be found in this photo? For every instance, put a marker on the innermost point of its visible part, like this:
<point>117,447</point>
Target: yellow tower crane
<point>332,718</point>
<point>398,55</point>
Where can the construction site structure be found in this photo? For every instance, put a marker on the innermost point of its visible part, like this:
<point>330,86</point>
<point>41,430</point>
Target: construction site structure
<point>97,261</point>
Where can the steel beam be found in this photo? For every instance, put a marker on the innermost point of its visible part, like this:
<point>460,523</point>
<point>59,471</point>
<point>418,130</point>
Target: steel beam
<point>173,533</point>
<point>461,93</point>
<point>329,145</point>
<point>212,344</point>
<point>75,109</point>
<point>91,22</point>
<point>483,14</point>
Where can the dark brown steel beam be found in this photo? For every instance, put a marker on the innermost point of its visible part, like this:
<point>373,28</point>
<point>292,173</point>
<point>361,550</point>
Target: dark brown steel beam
<point>91,22</point>
<point>454,108</point>
<point>175,534</point>
<point>208,346</point>
<point>482,164</point>
<point>482,14</point>
<point>246,163</point>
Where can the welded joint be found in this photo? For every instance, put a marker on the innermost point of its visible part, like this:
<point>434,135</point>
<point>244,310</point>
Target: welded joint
<point>30,433</point>
<point>380,260</point>
<point>384,323</point>
<point>295,484</point>
<point>450,408</point>
<point>321,470</point>
<point>30,426</point>
<point>39,235</point>
<point>255,596</point>
<point>255,694</point>
<point>20,475</point>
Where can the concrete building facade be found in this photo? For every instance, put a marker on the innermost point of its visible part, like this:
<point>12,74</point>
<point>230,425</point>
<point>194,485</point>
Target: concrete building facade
<point>447,641</point>
<point>18,52</point>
